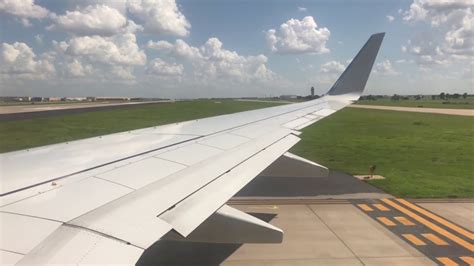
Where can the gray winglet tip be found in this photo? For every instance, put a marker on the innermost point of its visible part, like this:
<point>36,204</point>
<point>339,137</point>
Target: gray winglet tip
<point>356,74</point>
<point>378,34</point>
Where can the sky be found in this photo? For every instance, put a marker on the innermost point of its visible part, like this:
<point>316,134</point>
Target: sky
<point>224,48</point>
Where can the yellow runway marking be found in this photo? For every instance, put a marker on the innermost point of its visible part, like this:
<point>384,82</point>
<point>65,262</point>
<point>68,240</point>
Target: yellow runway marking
<point>404,221</point>
<point>365,207</point>
<point>415,240</point>
<point>386,221</point>
<point>430,225</point>
<point>438,219</point>
<point>447,261</point>
<point>433,238</point>
<point>468,260</point>
<point>381,207</point>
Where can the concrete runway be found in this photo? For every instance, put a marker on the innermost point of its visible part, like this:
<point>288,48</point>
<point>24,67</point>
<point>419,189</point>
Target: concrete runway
<point>444,111</point>
<point>29,111</point>
<point>317,234</point>
<point>324,225</point>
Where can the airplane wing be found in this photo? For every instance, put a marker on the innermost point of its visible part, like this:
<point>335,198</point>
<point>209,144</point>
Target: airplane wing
<point>106,199</point>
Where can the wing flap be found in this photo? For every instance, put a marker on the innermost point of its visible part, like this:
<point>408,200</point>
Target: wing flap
<point>191,212</point>
<point>229,225</point>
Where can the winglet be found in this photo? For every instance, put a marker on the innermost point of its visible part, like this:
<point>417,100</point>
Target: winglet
<point>353,79</point>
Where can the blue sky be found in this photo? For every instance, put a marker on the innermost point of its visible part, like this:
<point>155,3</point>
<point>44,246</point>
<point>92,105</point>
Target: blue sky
<point>211,48</point>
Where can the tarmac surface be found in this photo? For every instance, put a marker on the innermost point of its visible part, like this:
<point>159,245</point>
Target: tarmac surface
<point>444,111</point>
<point>324,224</point>
<point>29,111</point>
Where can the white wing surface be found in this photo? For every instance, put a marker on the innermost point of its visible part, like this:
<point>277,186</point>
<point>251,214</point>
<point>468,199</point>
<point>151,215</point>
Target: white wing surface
<point>106,199</point>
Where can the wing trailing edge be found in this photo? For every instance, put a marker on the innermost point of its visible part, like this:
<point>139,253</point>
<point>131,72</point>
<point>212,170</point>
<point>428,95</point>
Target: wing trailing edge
<point>229,225</point>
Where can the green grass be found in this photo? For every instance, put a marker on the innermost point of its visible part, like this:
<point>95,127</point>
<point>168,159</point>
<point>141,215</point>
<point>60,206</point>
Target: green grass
<point>23,134</point>
<point>467,103</point>
<point>421,155</point>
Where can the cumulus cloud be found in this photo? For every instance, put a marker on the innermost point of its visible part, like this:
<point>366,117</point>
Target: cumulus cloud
<point>160,16</point>
<point>452,35</point>
<point>39,38</point>
<point>299,36</point>
<point>390,18</point>
<point>120,49</point>
<point>211,62</point>
<point>94,19</point>
<point>23,8</point>
<point>159,45</point>
<point>19,60</point>
<point>385,68</point>
<point>75,69</point>
<point>332,67</point>
<point>328,73</point>
<point>162,68</point>
<point>112,58</point>
<point>459,40</point>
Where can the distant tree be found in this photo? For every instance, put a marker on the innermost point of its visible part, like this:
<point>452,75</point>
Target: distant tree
<point>370,98</point>
<point>448,96</point>
<point>442,96</point>
<point>464,95</point>
<point>456,96</point>
<point>433,97</point>
<point>418,97</point>
<point>395,97</point>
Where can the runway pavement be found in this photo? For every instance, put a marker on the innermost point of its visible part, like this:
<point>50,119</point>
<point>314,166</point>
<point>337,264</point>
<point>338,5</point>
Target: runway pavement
<point>29,111</point>
<point>444,111</point>
<point>335,220</point>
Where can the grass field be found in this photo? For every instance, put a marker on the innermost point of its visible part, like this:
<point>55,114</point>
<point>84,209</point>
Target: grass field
<point>422,155</point>
<point>467,103</point>
<point>22,134</point>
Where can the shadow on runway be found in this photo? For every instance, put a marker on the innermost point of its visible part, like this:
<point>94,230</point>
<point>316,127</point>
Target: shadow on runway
<point>337,183</point>
<point>169,252</point>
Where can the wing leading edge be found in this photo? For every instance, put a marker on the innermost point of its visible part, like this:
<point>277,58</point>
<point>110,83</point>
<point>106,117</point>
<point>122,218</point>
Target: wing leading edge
<point>126,204</point>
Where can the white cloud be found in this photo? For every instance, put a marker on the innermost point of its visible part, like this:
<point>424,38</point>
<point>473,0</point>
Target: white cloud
<point>327,74</point>
<point>24,10</point>
<point>100,58</point>
<point>299,36</point>
<point>120,49</point>
<point>460,40</point>
<point>211,62</point>
<point>120,5</point>
<point>302,9</point>
<point>159,45</point>
<point>121,73</point>
<point>39,38</point>
<point>162,68</point>
<point>160,16</point>
<point>385,68</point>
<point>403,61</point>
<point>76,69</point>
<point>19,60</point>
<point>97,19</point>
<point>332,67</point>
<point>451,38</point>
<point>390,18</point>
